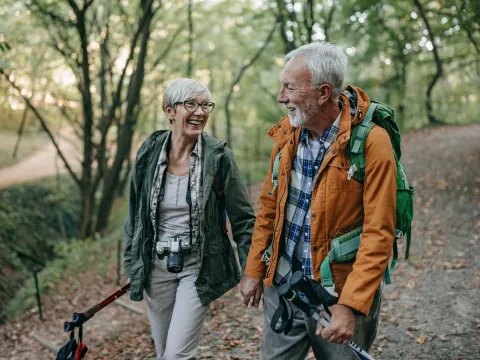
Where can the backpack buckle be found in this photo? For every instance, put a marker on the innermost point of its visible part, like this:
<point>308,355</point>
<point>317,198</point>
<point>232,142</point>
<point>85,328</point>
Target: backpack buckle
<point>266,258</point>
<point>351,171</point>
<point>273,189</point>
<point>331,290</point>
<point>398,234</point>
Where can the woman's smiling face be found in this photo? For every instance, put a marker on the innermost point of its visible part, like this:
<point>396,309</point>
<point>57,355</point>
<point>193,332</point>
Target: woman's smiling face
<point>187,123</point>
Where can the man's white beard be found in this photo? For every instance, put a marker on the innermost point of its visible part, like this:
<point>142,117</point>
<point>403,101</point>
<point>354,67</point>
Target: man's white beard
<point>300,119</point>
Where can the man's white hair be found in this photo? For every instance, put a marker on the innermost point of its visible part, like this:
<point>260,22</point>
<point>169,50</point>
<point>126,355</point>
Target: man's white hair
<point>327,64</point>
<point>182,89</point>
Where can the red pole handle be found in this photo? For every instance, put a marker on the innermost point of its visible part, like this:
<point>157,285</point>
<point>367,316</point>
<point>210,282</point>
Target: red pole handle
<point>90,312</point>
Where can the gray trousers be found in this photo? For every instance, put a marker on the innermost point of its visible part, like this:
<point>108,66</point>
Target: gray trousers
<point>296,344</point>
<point>174,310</point>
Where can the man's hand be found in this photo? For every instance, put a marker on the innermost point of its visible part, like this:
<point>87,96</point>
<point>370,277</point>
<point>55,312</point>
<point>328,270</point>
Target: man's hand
<point>251,290</point>
<point>342,325</point>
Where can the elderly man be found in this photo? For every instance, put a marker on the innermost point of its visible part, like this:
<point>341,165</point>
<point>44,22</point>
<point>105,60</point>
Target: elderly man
<point>315,201</point>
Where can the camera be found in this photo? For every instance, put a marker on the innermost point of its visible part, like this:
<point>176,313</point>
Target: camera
<point>175,248</point>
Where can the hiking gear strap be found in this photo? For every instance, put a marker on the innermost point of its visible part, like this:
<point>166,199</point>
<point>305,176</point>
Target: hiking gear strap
<point>218,188</point>
<point>357,146</point>
<point>343,249</point>
<point>285,312</point>
<point>316,306</point>
<point>275,173</point>
<point>67,352</point>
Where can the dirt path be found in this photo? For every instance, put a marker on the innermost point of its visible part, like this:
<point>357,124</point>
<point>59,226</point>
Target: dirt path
<point>44,163</point>
<point>431,311</point>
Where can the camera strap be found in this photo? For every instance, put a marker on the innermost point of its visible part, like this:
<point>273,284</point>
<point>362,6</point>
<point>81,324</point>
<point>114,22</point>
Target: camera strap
<point>188,199</point>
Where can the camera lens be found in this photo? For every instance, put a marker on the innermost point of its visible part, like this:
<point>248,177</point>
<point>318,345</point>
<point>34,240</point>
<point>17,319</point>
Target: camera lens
<point>175,263</point>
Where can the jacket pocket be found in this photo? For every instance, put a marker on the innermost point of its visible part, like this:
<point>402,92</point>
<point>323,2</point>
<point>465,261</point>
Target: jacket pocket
<point>216,270</point>
<point>337,178</point>
<point>215,243</point>
<point>214,262</point>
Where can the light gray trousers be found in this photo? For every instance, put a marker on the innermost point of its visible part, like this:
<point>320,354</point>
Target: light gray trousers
<point>174,310</point>
<point>296,344</point>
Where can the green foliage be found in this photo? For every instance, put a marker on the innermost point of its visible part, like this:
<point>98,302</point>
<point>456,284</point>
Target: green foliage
<point>389,52</point>
<point>68,258</point>
<point>34,218</point>
<point>24,207</point>
<point>72,258</point>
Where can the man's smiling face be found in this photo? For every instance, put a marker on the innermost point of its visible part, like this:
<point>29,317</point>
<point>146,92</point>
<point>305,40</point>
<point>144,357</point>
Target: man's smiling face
<point>296,92</point>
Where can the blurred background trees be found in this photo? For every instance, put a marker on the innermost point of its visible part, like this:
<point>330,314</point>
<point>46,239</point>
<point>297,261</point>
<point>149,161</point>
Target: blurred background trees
<point>99,68</point>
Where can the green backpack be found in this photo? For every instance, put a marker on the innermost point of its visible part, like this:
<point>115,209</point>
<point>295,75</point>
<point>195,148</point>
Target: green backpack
<point>344,248</point>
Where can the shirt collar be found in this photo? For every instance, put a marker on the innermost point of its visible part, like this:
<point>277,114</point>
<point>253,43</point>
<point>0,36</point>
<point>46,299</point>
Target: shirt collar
<point>197,149</point>
<point>324,137</point>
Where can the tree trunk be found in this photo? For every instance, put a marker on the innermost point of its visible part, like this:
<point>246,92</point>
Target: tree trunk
<point>87,197</point>
<point>328,23</point>
<point>20,132</point>
<point>124,180</point>
<point>466,26</point>
<point>428,102</point>
<point>126,133</point>
<point>403,92</point>
<point>210,87</point>
<point>190,40</point>
<point>280,19</point>
<point>237,80</point>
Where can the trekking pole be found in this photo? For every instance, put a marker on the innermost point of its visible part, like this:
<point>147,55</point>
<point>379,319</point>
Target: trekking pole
<point>79,319</point>
<point>317,307</point>
<point>77,351</point>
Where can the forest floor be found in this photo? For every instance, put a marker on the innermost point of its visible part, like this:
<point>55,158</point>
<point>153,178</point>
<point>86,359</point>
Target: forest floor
<point>431,310</point>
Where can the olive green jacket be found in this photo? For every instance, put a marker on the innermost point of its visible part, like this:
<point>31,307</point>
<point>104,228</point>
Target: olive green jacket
<point>219,271</point>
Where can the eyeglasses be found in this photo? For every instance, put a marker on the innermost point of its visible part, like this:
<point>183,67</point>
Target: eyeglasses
<point>192,105</point>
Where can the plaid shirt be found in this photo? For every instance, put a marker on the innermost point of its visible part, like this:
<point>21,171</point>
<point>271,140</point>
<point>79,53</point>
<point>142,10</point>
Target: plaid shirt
<point>297,217</point>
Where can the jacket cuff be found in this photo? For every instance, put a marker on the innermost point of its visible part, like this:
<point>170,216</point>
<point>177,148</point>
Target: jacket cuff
<point>255,274</point>
<point>358,308</point>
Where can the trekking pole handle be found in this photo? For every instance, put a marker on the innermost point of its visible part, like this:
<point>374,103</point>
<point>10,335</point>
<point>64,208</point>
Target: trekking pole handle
<point>320,317</point>
<point>111,298</point>
<point>79,318</point>
<point>322,321</point>
<point>88,314</point>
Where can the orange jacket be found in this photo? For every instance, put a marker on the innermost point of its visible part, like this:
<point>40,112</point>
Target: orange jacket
<point>338,206</point>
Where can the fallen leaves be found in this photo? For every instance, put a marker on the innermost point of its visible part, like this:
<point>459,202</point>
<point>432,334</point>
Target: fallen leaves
<point>421,339</point>
<point>410,334</point>
<point>442,184</point>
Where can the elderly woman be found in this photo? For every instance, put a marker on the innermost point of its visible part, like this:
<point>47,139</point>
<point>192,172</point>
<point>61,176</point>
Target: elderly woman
<point>177,250</point>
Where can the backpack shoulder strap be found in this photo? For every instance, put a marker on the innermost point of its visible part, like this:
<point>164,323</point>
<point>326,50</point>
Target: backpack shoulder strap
<point>356,147</point>
<point>275,173</point>
<point>218,188</point>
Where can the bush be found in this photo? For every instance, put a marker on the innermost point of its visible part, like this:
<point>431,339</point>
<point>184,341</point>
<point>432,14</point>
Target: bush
<point>72,258</point>
<point>35,217</point>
